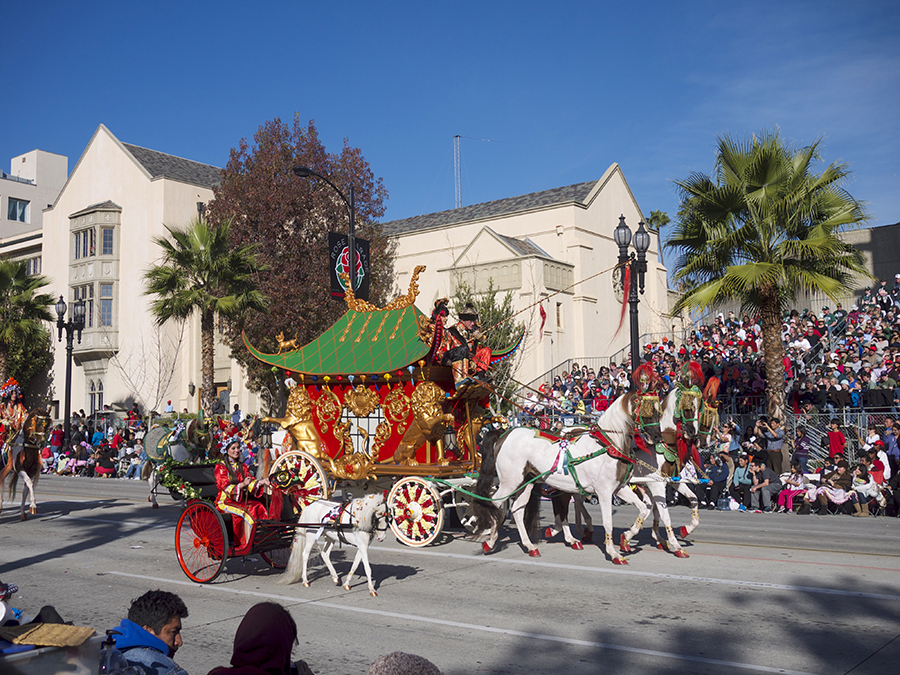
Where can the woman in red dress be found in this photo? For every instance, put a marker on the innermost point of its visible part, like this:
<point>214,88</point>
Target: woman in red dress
<point>238,493</point>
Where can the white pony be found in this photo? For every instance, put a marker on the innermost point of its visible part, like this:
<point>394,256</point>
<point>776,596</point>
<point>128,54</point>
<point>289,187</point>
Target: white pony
<point>586,463</point>
<point>354,523</point>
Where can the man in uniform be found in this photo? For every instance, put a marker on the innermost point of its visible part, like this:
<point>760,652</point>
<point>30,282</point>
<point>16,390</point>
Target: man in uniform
<point>465,355</point>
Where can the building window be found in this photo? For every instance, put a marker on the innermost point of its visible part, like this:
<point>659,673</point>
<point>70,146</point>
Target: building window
<point>18,210</point>
<point>559,317</point>
<point>86,293</point>
<point>106,300</point>
<point>96,396</point>
<point>84,244</point>
<point>33,265</point>
<point>93,398</point>
<point>106,234</point>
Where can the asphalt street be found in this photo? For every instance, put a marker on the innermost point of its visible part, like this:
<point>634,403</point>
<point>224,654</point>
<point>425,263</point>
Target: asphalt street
<point>768,593</point>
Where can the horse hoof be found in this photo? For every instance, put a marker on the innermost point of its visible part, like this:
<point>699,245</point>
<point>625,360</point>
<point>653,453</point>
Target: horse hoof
<point>23,517</point>
<point>156,506</point>
<point>373,594</point>
<point>534,553</point>
<point>623,544</point>
<point>485,547</point>
<point>681,554</point>
<point>305,584</point>
<point>661,547</point>
<point>619,561</point>
<point>588,537</point>
<point>684,532</point>
<point>33,510</point>
<point>577,546</point>
<point>548,533</point>
<point>346,587</point>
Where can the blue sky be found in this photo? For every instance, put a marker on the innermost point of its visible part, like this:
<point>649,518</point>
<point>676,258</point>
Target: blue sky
<point>561,89</point>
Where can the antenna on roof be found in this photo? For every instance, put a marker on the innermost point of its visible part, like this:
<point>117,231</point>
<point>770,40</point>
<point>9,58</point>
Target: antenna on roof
<point>456,170</point>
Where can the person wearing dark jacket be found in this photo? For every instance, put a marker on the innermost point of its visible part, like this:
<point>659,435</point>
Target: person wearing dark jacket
<point>151,634</point>
<point>717,472</point>
<point>263,644</point>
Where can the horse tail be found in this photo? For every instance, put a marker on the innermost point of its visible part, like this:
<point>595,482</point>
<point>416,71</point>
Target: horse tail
<point>560,502</point>
<point>486,512</point>
<point>147,471</point>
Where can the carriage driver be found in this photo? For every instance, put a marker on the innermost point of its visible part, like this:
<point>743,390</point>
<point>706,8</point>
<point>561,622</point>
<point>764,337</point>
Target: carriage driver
<point>468,359</point>
<point>238,492</point>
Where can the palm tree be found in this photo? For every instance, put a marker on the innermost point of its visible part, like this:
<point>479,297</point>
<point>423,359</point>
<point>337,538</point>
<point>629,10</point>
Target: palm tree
<point>22,308</point>
<point>762,231</point>
<point>201,272</point>
<point>658,220</point>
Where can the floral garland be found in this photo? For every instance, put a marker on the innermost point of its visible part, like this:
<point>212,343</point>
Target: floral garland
<point>167,476</point>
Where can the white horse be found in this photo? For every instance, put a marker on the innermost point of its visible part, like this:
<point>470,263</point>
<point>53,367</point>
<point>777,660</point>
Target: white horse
<point>584,464</point>
<point>353,523</point>
<point>680,408</point>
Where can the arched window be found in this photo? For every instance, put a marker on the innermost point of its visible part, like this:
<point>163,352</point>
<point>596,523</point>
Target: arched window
<point>99,394</point>
<point>93,398</point>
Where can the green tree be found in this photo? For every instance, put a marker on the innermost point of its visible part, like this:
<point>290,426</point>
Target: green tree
<point>23,309</point>
<point>494,316</point>
<point>289,218</point>
<point>760,232</point>
<point>201,272</point>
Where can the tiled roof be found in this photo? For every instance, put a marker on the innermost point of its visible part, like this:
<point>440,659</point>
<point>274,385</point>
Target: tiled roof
<point>561,195</point>
<point>523,247</point>
<point>169,166</point>
<point>102,206</point>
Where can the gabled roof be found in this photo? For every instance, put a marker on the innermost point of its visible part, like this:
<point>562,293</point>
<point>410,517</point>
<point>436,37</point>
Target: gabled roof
<point>102,206</point>
<point>523,247</point>
<point>159,164</point>
<point>569,194</point>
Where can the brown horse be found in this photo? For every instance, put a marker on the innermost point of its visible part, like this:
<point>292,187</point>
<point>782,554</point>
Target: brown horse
<point>24,459</point>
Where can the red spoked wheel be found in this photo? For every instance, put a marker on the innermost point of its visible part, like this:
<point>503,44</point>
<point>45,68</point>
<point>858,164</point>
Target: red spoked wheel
<point>201,541</point>
<point>417,512</point>
<point>301,476</point>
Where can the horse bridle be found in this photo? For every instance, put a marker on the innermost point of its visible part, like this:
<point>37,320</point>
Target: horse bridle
<point>685,402</point>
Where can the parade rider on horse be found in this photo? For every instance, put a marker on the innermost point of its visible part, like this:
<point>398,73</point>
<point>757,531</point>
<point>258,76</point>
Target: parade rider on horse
<point>12,416</point>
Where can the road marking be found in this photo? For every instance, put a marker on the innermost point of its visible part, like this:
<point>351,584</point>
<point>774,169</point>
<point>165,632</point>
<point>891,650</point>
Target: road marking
<point>413,619</point>
<point>635,573</point>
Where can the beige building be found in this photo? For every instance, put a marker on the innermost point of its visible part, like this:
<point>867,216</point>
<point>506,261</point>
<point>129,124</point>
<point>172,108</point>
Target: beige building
<point>32,184</point>
<point>557,245</point>
<point>97,244</point>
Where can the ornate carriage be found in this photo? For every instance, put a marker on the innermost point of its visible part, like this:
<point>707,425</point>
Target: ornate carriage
<point>373,408</point>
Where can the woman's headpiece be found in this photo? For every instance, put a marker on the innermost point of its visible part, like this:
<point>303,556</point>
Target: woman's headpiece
<point>9,388</point>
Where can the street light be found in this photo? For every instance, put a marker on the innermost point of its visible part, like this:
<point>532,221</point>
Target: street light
<point>72,326</point>
<point>638,266</point>
<point>306,172</point>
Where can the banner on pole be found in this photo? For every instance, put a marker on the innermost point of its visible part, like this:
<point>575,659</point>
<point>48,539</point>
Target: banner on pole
<point>339,263</point>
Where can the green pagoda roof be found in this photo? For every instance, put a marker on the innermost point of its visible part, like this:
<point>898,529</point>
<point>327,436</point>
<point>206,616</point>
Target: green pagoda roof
<point>365,340</point>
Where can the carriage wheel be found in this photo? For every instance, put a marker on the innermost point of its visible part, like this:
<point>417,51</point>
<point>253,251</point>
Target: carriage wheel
<point>417,512</point>
<point>201,542</point>
<point>301,476</point>
<point>277,558</point>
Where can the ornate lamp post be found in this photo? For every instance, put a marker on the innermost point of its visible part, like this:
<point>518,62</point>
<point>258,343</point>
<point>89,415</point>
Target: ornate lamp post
<point>306,172</point>
<point>638,267</point>
<point>72,326</point>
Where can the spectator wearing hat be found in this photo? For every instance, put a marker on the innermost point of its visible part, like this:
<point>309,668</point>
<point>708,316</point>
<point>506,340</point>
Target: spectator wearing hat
<point>169,407</point>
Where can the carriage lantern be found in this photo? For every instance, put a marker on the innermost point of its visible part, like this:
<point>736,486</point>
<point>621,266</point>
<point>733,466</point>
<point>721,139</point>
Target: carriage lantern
<point>72,326</point>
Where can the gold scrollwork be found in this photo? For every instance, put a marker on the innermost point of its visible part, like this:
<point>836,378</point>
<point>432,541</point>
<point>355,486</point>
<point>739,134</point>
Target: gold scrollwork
<point>397,406</point>
<point>328,407</point>
<point>352,467</point>
<point>401,302</point>
<point>361,400</point>
<point>382,434</point>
